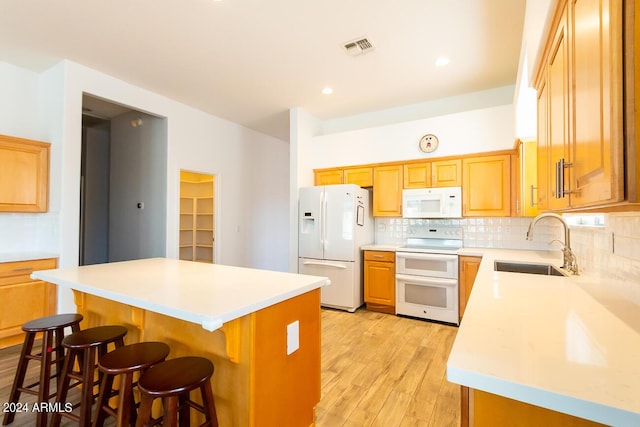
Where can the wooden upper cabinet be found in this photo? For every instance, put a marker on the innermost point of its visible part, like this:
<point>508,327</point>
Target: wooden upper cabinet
<point>446,173</point>
<point>387,190</point>
<point>24,175</point>
<point>543,160</point>
<point>362,176</point>
<point>558,110</point>
<point>359,176</point>
<point>596,31</point>
<point>527,204</point>
<point>439,173</point>
<point>327,177</point>
<point>486,186</point>
<point>580,83</point>
<point>417,175</point>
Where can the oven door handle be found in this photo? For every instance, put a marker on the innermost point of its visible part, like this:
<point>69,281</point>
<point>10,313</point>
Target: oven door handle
<point>426,280</point>
<point>419,255</point>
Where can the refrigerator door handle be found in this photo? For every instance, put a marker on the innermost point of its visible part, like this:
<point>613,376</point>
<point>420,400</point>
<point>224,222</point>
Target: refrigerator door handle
<point>323,221</point>
<point>324,264</point>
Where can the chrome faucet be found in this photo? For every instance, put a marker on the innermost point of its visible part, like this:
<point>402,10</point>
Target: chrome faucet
<point>570,264</point>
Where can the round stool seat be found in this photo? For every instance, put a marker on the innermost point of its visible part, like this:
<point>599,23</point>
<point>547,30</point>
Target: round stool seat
<point>133,357</point>
<point>52,322</point>
<point>176,376</point>
<point>94,337</point>
<point>173,381</point>
<point>124,362</point>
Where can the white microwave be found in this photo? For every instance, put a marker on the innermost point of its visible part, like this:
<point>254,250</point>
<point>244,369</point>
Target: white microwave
<point>441,202</point>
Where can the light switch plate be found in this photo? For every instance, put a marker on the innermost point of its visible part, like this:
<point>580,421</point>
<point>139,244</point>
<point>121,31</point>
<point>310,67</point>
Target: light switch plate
<point>293,337</point>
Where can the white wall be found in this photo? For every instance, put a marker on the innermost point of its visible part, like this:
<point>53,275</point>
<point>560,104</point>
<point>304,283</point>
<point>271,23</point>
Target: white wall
<point>303,126</point>
<point>480,130</point>
<point>439,107</point>
<point>196,141</point>
<point>20,108</point>
<point>268,217</point>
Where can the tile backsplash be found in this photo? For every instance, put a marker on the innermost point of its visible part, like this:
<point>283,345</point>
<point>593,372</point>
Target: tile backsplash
<point>611,251</point>
<point>28,232</point>
<point>508,233</point>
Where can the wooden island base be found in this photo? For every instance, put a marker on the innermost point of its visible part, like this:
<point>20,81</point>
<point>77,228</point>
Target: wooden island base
<point>255,382</point>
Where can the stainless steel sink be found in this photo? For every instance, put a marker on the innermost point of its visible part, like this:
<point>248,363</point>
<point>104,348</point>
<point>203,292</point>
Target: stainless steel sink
<point>528,267</point>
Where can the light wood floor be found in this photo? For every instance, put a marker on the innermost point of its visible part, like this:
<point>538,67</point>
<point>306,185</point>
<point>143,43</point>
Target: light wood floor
<point>384,370</point>
<point>377,370</point>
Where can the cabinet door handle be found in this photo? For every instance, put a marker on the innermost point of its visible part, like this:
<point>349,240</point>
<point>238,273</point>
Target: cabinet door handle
<point>560,167</point>
<point>558,173</point>
<point>23,269</point>
<point>533,203</point>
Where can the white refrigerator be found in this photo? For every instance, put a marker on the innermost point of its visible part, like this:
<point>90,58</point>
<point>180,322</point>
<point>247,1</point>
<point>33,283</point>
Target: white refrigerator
<point>334,221</point>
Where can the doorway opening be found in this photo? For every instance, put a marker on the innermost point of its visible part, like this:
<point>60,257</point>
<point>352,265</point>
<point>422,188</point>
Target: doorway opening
<point>123,195</point>
<point>197,217</point>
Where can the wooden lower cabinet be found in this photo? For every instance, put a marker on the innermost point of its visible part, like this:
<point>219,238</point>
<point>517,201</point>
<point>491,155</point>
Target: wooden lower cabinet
<point>468,270</point>
<point>23,299</point>
<point>482,409</point>
<point>380,281</point>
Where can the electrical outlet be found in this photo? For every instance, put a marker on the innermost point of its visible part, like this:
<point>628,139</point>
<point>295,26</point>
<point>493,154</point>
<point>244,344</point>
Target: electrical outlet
<point>293,337</point>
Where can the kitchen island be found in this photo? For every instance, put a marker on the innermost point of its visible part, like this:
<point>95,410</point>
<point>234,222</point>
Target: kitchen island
<point>261,329</point>
<point>542,350</point>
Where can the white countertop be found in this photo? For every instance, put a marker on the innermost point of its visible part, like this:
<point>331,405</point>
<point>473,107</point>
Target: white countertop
<point>379,247</point>
<point>206,294</point>
<point>565,343</point>
<point>25,256</point>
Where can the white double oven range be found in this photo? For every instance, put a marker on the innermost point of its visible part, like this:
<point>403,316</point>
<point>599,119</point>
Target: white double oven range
<point>427,275</point>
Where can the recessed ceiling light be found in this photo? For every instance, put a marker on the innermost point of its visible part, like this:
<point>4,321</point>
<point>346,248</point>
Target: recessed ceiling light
<point>327,91</point>
<point>442,61</point>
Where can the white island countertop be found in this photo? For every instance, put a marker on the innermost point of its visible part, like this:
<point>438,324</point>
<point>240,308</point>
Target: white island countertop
<point>205,294</point>
<point>570,344</point>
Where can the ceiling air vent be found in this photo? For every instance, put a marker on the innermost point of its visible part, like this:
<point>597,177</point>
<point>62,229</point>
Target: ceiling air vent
<point>358,46</point>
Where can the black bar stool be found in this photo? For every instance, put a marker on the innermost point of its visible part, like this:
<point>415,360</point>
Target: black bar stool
<point>82,346</point>
<point>124,362</point>
<point>52,329</point>
<point>173,381</point>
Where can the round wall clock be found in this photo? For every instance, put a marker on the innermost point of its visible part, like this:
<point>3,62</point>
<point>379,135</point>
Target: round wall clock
<point>428,143</point>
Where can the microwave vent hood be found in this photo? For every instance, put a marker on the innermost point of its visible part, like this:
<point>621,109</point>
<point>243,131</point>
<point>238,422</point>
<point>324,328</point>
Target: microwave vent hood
<point>438,202</point>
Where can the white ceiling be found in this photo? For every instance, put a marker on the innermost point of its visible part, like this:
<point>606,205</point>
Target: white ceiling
<point>249,61</point>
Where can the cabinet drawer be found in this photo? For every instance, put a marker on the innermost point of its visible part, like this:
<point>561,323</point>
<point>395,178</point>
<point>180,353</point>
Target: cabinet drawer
<point>11,272</point>
<point>383,256</point>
